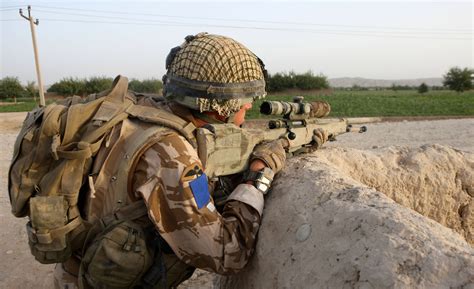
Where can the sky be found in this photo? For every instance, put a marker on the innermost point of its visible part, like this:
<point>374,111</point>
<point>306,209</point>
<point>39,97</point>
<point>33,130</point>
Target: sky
<point>378,39</point>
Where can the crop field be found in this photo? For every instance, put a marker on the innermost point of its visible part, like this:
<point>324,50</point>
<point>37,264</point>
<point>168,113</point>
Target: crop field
<point>21,104</point>
<point>352,103</point>
<point>388,103</point>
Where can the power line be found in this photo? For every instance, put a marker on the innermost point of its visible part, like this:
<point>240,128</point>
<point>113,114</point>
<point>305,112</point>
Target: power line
<point>9,9</point>
<point>247,27</point>
<point>255,21</point>
<point>289,29</point>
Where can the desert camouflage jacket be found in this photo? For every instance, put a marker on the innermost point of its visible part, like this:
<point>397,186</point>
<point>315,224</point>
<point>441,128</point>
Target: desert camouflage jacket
<point>170,178</point>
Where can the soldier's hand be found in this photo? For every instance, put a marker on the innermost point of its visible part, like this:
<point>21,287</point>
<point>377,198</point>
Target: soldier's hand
<point>271,153</point>
<point>320,136</point>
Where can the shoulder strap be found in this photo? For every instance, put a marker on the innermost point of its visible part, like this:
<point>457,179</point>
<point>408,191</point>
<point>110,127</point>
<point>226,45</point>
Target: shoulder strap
<point>167,119</point>
<point>138,144</point>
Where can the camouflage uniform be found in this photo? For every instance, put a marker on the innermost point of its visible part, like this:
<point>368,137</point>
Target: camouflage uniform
<point>169,175</point>
<point>185,215</point>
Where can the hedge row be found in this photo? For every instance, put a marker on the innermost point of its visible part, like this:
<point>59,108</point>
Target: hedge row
<point>11,86</point>
<point>75,86</point>
<point>291,80</point>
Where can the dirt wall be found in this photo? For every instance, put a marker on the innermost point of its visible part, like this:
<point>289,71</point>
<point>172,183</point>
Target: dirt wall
<point>435,181</point>
<point>323,228</point>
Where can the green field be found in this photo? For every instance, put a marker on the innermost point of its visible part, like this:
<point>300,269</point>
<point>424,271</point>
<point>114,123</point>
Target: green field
<point>360,103</point>
<point>23,104</point>
<point>389,103</point>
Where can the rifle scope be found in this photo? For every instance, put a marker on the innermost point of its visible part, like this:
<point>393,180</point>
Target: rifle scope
<point>296,109</point>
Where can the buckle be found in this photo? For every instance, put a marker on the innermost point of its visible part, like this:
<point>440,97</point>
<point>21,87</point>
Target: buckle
<point>262,179</point>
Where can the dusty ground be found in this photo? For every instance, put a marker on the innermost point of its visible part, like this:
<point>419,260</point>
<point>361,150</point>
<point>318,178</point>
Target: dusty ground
<point>19,270</point>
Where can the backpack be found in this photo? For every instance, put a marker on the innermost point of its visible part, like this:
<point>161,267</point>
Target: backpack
<point>52,159</point>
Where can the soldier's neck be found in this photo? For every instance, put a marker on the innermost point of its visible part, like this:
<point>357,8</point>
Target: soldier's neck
<point>203,118</point>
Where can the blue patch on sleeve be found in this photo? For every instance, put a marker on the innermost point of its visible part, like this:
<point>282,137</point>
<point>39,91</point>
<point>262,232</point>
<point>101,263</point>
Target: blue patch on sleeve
<point>200,190</point>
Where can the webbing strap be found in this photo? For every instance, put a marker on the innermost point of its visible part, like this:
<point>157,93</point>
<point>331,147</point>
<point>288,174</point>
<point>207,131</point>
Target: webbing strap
<point>167,119</point>
<point>129,212</point>
<point>47,238</point>
<point>102,130</point>
<point>85,150</point>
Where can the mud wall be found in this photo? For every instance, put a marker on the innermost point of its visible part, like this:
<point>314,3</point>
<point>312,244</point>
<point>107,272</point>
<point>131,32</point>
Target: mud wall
<point>325,224</point>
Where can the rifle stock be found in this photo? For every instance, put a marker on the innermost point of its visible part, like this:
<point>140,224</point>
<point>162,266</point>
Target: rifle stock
<point>225,149</point>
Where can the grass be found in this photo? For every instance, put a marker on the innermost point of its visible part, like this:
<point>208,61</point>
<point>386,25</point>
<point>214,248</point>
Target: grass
<point>355,103</point>
<point>389,103</point>
<point>23,104</point>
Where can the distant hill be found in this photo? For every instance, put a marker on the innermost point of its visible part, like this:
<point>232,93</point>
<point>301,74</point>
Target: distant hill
<point>365,82</point>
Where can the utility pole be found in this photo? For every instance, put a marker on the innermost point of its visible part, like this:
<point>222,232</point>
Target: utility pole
<point>35,48</point>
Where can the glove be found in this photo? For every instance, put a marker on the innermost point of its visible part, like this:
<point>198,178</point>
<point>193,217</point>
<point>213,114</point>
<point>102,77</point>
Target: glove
<point>320,136</point>
<point>271,153</point>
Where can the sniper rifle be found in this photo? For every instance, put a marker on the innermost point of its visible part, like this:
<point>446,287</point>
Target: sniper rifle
<point>225,149</point>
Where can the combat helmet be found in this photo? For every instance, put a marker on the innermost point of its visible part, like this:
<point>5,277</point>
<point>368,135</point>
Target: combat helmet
<point>213,73</point>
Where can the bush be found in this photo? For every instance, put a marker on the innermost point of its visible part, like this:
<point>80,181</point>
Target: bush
<point>309,81</point>
<point>396,87</point>
<point>97,84</point>
<point>280,81</point>
<point>146,86</point>
<point>11,87</point>
<point>423,88</point>
<point>69,86</point>
<point>291,80</point>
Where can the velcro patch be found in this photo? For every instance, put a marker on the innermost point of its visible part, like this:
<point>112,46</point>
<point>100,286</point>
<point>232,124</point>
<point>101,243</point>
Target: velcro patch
<point>200,191</point>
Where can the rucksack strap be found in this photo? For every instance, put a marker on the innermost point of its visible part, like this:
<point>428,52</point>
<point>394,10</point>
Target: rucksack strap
<point>167,119</point>
<point>131,211</point>
<point>138,144</point>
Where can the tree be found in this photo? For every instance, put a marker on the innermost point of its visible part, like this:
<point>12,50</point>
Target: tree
<point>423,88</point>
<point>458,79</point>
<point>11,87</point>
<point>31,89</point>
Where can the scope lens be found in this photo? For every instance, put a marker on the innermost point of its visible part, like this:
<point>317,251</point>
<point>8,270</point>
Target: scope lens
<point>266,108</point>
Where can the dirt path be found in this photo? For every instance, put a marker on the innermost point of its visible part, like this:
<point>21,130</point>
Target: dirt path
<point>458,133</point>
<point>19,270</point>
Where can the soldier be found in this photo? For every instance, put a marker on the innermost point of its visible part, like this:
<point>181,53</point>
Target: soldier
<point>210,79</point>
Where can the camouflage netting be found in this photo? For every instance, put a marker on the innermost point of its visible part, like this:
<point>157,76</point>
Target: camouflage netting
<point>222,74</point>
<point>215,58</point>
